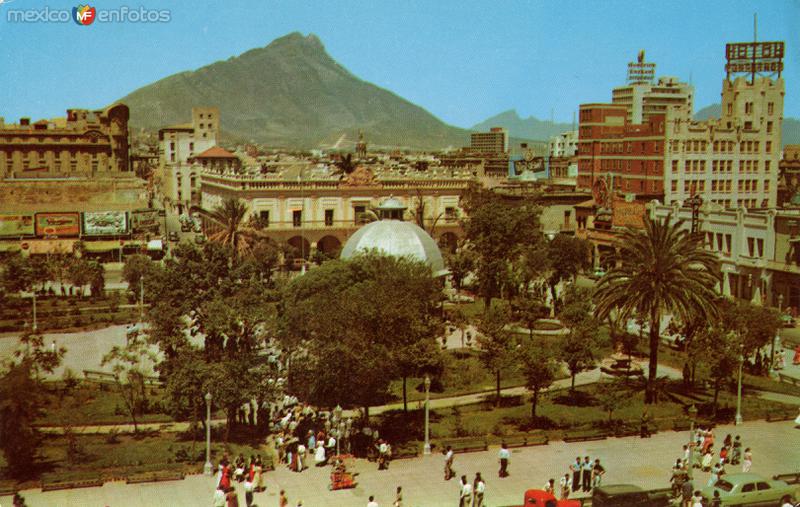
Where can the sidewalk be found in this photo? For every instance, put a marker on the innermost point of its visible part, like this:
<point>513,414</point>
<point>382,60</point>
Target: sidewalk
<point>629,460</point>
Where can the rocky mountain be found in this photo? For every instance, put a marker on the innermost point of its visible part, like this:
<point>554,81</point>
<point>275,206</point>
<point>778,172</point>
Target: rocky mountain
<point>791,126</point>
<point>291,93</point>
<point>525,128</point>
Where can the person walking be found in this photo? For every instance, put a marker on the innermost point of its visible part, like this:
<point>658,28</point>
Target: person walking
<point>697,499</point>
<point>398,498</point>
<point>597,473</point>
<point>586,472</point>
<point>219,497</point>
<point>465,496</point>
<point>747,460</point>
<point>565,485</point>
<point>231,497</point>
<point>644,427</point>
<point>503,456</point>
<point>372,502</point>
<point>479,488</point>
<point>550,487</point>
<point>449,456</point>
<point>282,500</point>
<point>575,468</point>
<point>686,494</point>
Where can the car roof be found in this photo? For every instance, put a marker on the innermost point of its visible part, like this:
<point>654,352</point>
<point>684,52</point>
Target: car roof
<point>616,489</point>
<point>743,477</point>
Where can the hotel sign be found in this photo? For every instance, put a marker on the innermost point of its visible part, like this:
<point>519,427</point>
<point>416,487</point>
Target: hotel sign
<point>754,58</point>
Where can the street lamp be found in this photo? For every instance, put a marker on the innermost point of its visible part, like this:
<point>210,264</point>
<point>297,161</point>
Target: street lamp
<point>207,466</point>
<point>693,416</point>
<point>337,418</point>
<point>34,311</point>
<point>141,298</point>
<point>777,333</point>
<point>738,420</point>
<point>339,436</point>
<point>427,448</point>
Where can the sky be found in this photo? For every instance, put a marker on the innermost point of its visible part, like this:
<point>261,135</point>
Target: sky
<point>462,60</point>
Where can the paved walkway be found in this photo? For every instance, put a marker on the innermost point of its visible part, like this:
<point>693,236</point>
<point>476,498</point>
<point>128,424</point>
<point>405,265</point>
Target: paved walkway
<point>627,460</point>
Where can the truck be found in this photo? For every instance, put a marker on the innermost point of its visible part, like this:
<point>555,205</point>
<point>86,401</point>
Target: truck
<point>541,498</point>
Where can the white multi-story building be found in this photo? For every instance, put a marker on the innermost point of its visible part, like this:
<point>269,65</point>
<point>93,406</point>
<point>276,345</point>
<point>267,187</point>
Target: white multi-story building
<point>180,178</point>
<point>563,145</point>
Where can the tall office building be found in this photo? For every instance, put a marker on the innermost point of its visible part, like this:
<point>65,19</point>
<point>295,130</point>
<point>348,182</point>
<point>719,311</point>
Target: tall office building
<point>494,141</point>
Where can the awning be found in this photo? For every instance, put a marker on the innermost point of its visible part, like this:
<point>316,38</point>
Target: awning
<point>155,244</point>
<point>102,246</point>
<point>10,247</point>
<point>50,246</point>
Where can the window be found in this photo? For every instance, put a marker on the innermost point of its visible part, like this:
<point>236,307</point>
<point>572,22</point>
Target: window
<point>760,245</point>
<point>766,166</point>
<point>766,185</point>
<point>172,157</point>
<point>191,147</point>
<point>769,127</point>
<point>751,245</point>
<point>762,486</point>
<point>674,186</point>
<point>328,217</point>
<point>297,218</point>
<point>450,214</point>
<point>748,125</point>
<point>730,108</point>
<point>674,166</point>
<point>748,487</point>
<point>172,146</point>
<point>359,211</point>
<point>264,216</point>
<point>728,244</point>
<point>748,108</point>
<point>770,108</point>
<point>768,147</point>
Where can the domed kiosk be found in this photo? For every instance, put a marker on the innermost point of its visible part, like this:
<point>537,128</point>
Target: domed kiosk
<point>392,236</point>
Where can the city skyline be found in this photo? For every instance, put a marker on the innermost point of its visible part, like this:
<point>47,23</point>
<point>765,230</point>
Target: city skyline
<point>528,56</point>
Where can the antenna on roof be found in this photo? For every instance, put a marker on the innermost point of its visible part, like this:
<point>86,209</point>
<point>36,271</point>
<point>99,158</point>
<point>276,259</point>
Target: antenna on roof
<point>755,27</point>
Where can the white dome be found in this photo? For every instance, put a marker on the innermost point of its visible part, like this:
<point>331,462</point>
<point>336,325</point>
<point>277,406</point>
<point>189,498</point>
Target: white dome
<point>396,238</point>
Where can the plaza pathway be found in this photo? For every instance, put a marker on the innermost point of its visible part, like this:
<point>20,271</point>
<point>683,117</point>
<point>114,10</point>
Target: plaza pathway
<point>627,460</point>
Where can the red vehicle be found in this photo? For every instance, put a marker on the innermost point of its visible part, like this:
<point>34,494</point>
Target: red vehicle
<point>542,498</point>
<point>340,477</point>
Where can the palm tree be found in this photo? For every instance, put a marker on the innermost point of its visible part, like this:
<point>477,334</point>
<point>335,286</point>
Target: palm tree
<point>229,216</point>
<point>663,270</point>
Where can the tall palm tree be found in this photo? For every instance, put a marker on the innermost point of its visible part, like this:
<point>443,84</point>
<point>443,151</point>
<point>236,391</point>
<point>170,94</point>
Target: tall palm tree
<point>663,269</point>
<point>229,216</point>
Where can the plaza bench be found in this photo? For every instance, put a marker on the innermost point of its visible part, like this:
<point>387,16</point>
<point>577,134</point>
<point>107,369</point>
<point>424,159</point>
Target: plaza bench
<point>682,425</point>
<point>405,453</point>
<point>780,415</point>
<point>517,441</point>
<point>585,436</point>
<point>466,445</point>
<point>788,478</point>
<point>788,379</point>
<point>154,477</point>
<point>59,485</point>
<point>98,376</point>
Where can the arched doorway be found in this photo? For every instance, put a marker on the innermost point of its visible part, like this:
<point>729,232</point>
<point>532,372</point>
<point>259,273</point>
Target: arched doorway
<point>448,242</point>
<point>330,246</point>
<point>301,247</point>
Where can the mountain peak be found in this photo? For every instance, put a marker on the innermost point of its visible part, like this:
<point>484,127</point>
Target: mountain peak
<point>297,39</point>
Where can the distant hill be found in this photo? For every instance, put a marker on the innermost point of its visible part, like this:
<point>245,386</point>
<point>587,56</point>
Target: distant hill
<point>791,126</point>
<point>526,128</point>
<point>291,93</point>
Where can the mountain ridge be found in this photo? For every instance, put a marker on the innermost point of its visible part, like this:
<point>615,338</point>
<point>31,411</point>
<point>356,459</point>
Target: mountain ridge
<point>291,93</point>
<point>527,128</point>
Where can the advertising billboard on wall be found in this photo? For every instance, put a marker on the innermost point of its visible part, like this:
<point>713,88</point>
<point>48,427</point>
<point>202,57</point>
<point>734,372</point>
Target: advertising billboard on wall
<point>105,223</point>
<point>16,224</point>
<point>58,224</point>
<point>147,220</point>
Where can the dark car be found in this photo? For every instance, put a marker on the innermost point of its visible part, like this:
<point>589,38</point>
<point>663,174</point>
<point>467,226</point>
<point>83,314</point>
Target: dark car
<point>627,495</point>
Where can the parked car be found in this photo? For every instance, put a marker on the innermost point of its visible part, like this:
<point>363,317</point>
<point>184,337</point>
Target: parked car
<point>751,489</point>
<point>542,498</point>
<point>627,495</point>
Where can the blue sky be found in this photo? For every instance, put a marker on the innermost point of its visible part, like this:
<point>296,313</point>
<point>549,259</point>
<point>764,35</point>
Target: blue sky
<point>462,60</point>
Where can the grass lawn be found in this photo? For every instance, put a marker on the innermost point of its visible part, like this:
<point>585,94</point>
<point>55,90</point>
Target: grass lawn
<point>99,455</point>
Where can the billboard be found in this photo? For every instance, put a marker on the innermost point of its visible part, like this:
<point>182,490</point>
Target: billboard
<point>147,220</point>
<point>754,58</point>
<point>16,224</point>
<point>105,223</point>
<point>58,224</point>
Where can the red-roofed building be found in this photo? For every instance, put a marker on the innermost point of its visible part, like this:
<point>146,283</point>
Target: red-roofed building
<point>217,159</point>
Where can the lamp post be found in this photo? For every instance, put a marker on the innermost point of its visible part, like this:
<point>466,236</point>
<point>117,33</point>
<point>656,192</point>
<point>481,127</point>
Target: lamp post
<point>337,414</point>
<point>34,311</point>
<point>738,419</point>
<point>207,466</point>
<point>339,437</point>
<point>777,333</point>
<point>426,450</point>
<point>141,298</point>
<point>692,415</point>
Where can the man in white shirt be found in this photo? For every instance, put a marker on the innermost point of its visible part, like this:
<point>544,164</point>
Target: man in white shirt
<point>466,492</point>
<point>504,456</point>
<point>449,456</point>
<point>480,488</point>
<point>372,502</point>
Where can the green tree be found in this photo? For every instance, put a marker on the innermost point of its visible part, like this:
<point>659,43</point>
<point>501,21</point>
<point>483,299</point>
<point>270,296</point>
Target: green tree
<point>579,348</point>
<point>540,369</point>
<point>497,344</point>
<point>80,273</point>
<point>567,257</point>
<point>130,371</point>
<point>613,395</point>
<point>16,275</point>
<point>229,217</point>
<point>720,357</point>
<point>21,399</point>
<point>461,263</point>
<point>663,269</point>
<point>97,279</point>
<point>528,309</point>
<point>496,232</point>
